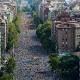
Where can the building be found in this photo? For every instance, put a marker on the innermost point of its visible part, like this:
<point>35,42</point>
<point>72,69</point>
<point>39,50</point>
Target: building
<point>9,5</point>
<point>7,13</point>
<point>44,10</point>
<point>3,34</point>
<point>77,34</point>
<point>50,8</point>
<point>67,32</point>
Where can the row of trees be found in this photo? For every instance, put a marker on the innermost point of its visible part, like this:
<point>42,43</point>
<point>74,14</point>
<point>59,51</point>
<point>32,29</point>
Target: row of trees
<point>43,31</point>
<point>7,69</point>
<point>36,19</point>
<point>6,72</point>
<point>67,66</point>
<point>44,34</point>
<point>13,32</point>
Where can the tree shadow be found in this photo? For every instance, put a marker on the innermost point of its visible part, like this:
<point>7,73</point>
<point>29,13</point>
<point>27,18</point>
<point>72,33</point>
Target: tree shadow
<point>37,50</point>
<point>45,73</point>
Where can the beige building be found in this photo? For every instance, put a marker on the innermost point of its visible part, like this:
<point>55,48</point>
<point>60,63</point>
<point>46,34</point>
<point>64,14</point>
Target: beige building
<point>77,34</point>
<point>66,32</point>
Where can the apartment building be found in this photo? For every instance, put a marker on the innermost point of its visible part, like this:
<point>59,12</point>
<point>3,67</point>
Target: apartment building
<point>50,8</point>
<point>67,32</point>
<point>9,6</point>
<point>7,13</point>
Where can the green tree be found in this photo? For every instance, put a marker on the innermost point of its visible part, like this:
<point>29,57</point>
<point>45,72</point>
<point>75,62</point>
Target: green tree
<point>33,8</point>
<point>6,77</point>
<point>36,18</point>
<point>26,9</point>
<point>13,31</point>
<point>44,30</point>
<point>10,65</point>
<point>17,22</point>
<point>69,66</point>
<point>66,65</point>
<point>54,61</point>
<point>12,35</point>
<point>44,33</point>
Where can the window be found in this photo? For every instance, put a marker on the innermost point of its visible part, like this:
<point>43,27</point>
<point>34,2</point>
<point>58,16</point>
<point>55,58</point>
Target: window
<point>66,43</point>
<point>66,30</point>
<point>62,45</point>
<point>63,29</point>
<point>78,36</point>
<point>66,47</point>
<point>62,42</point>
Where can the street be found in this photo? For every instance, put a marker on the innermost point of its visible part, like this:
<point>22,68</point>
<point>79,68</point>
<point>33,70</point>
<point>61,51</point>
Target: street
<point>31,58</point>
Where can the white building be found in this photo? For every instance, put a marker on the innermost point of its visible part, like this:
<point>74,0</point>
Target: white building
<point>54,6</point>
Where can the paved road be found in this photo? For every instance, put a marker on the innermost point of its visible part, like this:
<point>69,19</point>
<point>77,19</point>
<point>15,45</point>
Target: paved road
<point>31,58</point>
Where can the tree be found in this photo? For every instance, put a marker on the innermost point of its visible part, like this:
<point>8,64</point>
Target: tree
<point>10,65</point>
<point>12,36</point>
<point>33,8</point>
<point>54,61</point>
<point>44,33</point>
<point>36,18</point>
<point>17,22</point>
<point>44,30</point>
<point>6,77</point>
<point>13,32</point>
<point>26,9</point>
<point>1,73</point>
<point>6,72</point>
<point>69,67</point>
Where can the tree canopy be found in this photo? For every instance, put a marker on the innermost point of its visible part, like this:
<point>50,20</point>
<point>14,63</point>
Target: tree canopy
<point>10,65</point>
<point>13,32</point>
<point>44,33</point>
<point>36,19</point>
<point>67,65</point>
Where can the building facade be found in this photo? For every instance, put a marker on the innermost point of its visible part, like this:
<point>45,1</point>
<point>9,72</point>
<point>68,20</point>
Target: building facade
<point>3,34</point>
<point>7,13</point>
<point>66,32</point>
<point>50,8</point>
